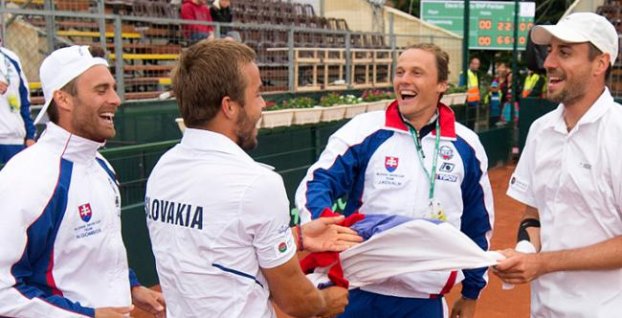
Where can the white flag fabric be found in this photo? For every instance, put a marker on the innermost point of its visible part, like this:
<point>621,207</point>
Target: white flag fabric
<point>414,246</point>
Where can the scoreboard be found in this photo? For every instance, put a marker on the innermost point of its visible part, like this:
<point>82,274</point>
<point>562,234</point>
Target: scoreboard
<point>491,23</point>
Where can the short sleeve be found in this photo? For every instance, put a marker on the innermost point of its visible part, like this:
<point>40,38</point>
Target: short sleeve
<point>266,219</point>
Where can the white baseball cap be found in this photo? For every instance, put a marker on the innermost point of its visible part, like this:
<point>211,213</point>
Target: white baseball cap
<point>578,28</point>
<point>62,66</point>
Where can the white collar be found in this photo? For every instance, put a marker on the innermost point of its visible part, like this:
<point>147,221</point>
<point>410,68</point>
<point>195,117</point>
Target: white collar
<point>595,112</point>
<point>72,147</point>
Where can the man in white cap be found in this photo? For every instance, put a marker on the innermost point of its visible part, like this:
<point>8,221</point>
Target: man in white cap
<point>63,255</point>
<point>570,178</point>
<point>16,128</point>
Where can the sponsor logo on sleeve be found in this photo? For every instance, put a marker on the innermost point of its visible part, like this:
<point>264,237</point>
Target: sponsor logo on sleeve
<point>518,184</point>
<point>283,228</point>
<point>282,247</point>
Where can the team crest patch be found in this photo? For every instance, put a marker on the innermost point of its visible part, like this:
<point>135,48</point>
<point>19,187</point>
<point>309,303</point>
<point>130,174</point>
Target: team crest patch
<point>282,247</point>
<point>390,163</point>
<point>85,212</point>
<point>446,153</point>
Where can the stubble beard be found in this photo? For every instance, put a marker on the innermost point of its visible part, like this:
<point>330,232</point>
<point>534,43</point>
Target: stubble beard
<point>572,91</point>
<point>247,139</point>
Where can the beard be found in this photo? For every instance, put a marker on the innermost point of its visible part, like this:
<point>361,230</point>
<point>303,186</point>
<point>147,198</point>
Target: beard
<point>245,131</point>
<point>573,89</point>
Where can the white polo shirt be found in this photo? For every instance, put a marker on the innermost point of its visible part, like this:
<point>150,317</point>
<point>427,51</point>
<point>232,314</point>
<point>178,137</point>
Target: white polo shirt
<point>215,218</point>
<point>574,179</point>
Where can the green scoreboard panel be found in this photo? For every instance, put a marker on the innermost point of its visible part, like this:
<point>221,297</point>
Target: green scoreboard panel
<point>491,23</point>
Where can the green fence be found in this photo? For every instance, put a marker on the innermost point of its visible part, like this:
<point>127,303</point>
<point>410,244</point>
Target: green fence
<point>530,110</point>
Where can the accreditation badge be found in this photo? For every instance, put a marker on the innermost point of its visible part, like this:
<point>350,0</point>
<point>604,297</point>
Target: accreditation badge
<point>13,102</point>
<point>436,211</point>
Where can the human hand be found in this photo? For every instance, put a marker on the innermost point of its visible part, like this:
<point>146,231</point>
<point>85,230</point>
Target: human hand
<point>336,299</point>
<point>113,312</point>
<point>29,142</point>
<point>463,308</point>
<point>3,87</point>
<point>323,234</point>
<point>518,268</point>
<point>149,300</point>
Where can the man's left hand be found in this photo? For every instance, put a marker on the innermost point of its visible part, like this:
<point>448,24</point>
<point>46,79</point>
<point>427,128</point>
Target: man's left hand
<point>463,308</point>
<point>149,300</point>
<point>323,235</point>
<point>29,142</point>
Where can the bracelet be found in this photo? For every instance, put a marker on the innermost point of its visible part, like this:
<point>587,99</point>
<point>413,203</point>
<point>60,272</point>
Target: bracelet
<point>299,238</point>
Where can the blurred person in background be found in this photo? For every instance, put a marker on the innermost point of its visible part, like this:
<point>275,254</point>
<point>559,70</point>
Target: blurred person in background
<point>493,100</point>
<point>17,130</point>
<point>534,85</point>
<point>221,12</point>
<point>196,10</point>
<point>472,83</point>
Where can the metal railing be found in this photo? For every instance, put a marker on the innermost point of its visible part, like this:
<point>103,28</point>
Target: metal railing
<point>143,50</point>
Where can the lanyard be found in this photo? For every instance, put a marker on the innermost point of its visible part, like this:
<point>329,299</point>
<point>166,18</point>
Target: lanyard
<point>430,174</point>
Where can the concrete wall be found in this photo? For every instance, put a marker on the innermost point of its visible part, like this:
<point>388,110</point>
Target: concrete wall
<point>410,30</point>
<point>362,17</point>
<point>358,13</point>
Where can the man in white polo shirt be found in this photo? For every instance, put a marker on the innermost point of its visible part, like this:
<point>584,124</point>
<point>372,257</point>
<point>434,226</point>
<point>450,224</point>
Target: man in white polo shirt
<point>570,177</point>
<point>218,220</point>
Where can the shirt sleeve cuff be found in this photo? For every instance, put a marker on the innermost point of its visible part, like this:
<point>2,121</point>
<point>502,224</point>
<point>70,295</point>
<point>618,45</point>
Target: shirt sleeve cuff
<point>470,292</point>
<point>133,279</point>
<point>519,196</point>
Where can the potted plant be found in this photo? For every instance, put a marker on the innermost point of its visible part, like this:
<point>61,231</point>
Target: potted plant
<point>354,106</point>
<point>455,95</point>
<point>377,99</point>
<point>332,107</point>
<point>304,110</point>
<point>276,116</point>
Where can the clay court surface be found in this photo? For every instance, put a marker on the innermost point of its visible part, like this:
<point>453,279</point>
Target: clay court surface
<point>494,302</point>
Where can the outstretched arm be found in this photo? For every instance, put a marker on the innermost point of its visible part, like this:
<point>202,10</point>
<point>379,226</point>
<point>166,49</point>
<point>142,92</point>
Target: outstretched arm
<point>521,268</point>
<point>297,296</point>
<point>323,234</point>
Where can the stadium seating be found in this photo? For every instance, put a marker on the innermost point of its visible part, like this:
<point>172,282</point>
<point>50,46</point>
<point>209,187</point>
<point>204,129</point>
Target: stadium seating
<point>612,10</point>
<point>152,40</point>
